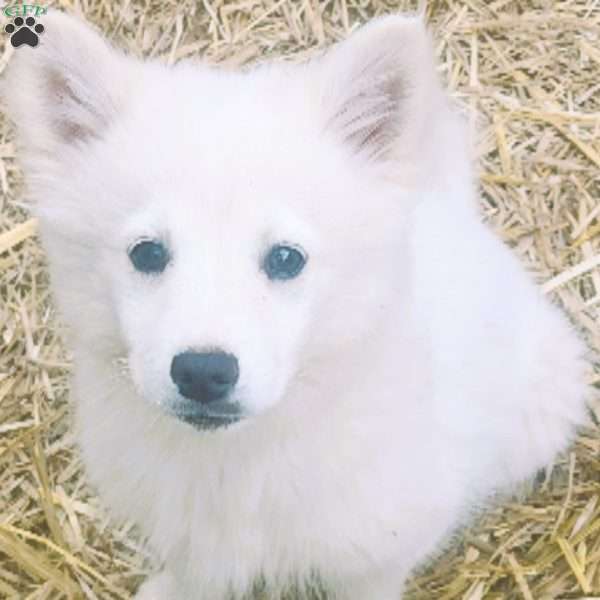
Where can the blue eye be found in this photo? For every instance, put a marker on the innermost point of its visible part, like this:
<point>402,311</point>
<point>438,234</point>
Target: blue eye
<point>149,256</point>
<point>284,262</point>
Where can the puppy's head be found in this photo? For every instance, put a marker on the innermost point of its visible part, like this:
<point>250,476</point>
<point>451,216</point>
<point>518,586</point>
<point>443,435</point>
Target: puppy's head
<point>227,231</point>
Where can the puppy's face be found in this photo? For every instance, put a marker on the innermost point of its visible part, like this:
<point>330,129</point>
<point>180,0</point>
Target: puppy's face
<point>236,271</point>
<point>227,232</point>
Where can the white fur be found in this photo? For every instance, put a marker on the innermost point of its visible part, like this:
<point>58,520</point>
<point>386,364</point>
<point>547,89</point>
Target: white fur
<point>411,370</point>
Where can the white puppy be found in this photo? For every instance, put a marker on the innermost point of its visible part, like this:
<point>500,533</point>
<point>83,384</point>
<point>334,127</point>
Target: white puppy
<point>330,359</point>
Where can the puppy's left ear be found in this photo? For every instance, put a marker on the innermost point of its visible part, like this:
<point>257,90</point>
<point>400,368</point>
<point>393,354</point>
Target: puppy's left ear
<point>379,88</point>
<point>66,91</point>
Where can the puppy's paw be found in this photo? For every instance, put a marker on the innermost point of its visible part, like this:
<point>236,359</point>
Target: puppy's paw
<point>157,587</point>
<point>380,586</point>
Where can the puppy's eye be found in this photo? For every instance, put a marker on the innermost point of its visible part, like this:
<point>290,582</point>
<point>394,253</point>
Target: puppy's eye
<point>149,256</point>
<point>284,262</point>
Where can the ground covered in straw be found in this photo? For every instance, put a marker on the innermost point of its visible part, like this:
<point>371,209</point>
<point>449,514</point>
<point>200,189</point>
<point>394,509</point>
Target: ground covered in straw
<point>531,71</point>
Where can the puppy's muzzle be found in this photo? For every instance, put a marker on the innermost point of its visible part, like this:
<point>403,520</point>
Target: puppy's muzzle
<point>205,381</point>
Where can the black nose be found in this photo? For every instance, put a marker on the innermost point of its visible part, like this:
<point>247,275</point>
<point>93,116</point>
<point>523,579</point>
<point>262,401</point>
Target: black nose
<point>204,376</point>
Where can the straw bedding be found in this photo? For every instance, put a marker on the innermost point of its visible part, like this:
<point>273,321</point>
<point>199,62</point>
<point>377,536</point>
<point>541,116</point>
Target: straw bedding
<point>529,70</point>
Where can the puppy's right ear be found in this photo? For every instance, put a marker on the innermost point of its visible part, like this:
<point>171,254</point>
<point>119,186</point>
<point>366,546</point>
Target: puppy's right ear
<point>68,89</point>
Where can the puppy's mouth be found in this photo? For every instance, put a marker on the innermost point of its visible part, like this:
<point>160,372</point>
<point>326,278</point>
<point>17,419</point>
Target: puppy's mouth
<point>216,415</point>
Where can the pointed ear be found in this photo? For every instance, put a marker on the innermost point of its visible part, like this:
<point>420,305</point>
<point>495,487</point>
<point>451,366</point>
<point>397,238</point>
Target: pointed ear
<point>68,89</point>
<point>379,86</point>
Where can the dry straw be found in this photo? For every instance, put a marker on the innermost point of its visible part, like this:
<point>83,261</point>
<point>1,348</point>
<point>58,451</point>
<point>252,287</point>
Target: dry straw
<point>531,70</point>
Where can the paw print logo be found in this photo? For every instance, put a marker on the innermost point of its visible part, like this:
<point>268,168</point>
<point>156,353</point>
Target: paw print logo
<point>24,31</point>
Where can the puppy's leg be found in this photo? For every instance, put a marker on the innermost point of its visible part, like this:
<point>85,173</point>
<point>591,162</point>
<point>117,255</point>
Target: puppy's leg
<point>158,587</point>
